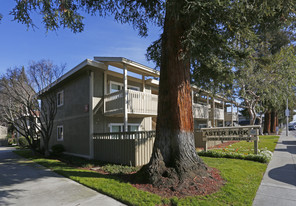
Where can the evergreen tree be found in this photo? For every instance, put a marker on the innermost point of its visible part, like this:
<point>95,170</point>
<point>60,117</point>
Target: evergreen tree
<point>195,33</point>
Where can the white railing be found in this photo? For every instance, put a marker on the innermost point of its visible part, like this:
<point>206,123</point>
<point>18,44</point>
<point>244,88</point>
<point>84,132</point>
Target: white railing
<point>218,114</point>
<point>200,111</point>
<point>229,114</point>
<point>137,102</point>
<point>114,102</point>
<point>142,103</point>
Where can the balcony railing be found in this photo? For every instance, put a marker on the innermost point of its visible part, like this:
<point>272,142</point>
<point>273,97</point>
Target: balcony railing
<point>137,103</point>
<point>218,114</point>
<point>229,114</point>
<point>200,111</point>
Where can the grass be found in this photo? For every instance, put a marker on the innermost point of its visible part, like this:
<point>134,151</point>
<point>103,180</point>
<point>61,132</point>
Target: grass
<point>243,179</point>
<point>267,142</point>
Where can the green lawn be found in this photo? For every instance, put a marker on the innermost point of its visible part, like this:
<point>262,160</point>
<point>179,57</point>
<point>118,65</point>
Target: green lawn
<point>243,179</point>
<point>267,142</point>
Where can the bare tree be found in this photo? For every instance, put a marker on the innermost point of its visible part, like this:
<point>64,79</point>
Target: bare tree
<point>20,101</point>
<point>17,102</point>
<point>43,74</point>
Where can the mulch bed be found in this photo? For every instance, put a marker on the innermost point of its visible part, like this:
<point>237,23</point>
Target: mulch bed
<point>223,145</point>
<point>199,186</point>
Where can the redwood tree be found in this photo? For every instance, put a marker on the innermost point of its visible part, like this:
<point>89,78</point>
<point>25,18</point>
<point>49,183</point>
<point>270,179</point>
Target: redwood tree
<point>193,31</point>
<point>174,155</point>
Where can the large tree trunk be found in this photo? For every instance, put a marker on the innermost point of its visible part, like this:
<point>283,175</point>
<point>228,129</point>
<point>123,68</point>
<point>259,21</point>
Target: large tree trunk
<point>174,158</point>
<point>267,122</point>
<point>273,121</point>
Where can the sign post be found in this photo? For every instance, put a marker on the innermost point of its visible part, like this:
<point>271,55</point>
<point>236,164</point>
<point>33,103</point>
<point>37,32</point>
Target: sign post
<point>287,118</point>
<point>231,134</point>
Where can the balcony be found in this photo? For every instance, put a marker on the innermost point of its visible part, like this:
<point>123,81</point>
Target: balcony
<point>200,111</point>
<point>218,114</point>
<point>138,103</point>
<point>228,116</point>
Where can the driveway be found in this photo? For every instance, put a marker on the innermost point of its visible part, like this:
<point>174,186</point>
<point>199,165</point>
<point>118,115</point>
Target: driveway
<point>25,183</point>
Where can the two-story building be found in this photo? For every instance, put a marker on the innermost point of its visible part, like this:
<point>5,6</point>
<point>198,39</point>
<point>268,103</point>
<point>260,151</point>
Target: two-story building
<point>114,94</point>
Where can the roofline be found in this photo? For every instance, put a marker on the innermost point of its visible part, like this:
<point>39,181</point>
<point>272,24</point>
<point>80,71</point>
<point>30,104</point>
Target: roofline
<point>129,62</point>
<point>86,62</point>
<point>214,95</point>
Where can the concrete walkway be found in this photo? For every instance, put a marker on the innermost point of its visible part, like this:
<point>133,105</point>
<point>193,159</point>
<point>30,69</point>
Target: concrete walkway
<point>25,183</point>
<point>278,186</point>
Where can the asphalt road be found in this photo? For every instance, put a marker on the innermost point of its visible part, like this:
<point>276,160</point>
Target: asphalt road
<point>25,183</point>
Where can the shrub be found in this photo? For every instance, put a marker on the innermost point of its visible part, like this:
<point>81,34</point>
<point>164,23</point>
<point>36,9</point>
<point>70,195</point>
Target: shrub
<point>263,156</point>
<point>23,142</point>
<point>11,141</point>
<point>58,149</point>
<point>119,169</point>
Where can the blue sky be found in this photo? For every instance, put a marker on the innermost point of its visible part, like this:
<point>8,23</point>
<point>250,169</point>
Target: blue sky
<point>101,37</point>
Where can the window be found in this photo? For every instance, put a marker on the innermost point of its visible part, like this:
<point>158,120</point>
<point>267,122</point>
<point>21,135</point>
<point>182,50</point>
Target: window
<point>115,87</point>
<point>133,88</point>
<point>60,98</point>
<point>60,133</point>
<point>117,127</point>
<point>133,128</point>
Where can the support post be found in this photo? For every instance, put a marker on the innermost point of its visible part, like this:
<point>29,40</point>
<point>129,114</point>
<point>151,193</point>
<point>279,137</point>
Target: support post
<point>143,83</point>
<point>206,146</point>
<point>208,119</point>
<point>91,116</point>
<point>125,117</point>
<point>105,88</point>
<point>231,114</point>
<point>256,145</point>
<point>223,103</point>
<point>213,112</point>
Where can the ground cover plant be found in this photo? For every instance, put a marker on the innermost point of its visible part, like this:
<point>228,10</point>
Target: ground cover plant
<point>235,191</point>
<point>245,150</point>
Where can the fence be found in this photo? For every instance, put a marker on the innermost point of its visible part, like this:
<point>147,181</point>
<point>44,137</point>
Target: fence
<point>127,148</point>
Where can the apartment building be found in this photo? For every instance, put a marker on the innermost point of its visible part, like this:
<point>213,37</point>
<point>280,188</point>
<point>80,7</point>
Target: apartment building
<point>115,94</point>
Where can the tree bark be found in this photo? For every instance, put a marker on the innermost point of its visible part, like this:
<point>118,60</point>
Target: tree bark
<point>267,122</point>
<point>273,121</point>
<point>174,158</point>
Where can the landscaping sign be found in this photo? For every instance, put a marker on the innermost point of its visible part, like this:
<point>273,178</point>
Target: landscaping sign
<point>247,133</point>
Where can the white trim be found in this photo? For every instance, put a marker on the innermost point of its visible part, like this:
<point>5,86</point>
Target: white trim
<point>58,127</point>
<point>61,103</point>
<point>131,65</point>
<point>86,62</point>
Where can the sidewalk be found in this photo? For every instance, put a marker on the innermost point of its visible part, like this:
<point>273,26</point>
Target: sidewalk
<point>25,183</point>
<point>278,186</point>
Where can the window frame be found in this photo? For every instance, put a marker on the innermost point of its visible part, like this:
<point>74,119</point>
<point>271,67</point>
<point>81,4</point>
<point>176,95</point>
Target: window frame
<point>135,88</point>
<point>122,125</point>
<point>62,137</point>
<point>61,102</point>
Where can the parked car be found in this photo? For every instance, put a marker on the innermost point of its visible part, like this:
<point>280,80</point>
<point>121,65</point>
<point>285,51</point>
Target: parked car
<point>292,126</point>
